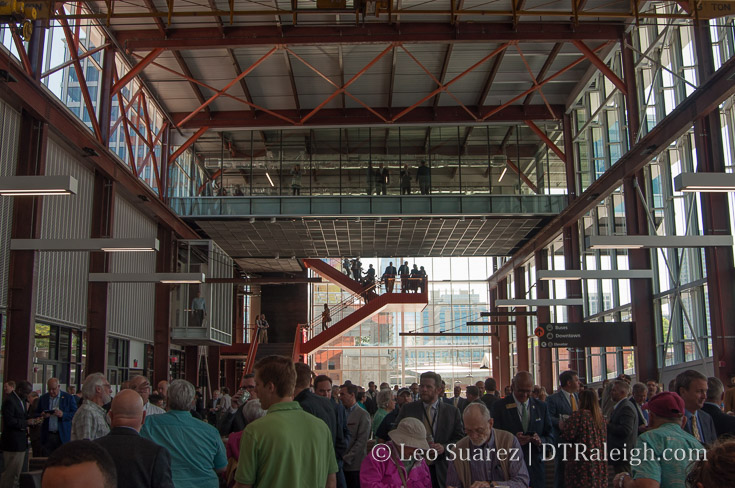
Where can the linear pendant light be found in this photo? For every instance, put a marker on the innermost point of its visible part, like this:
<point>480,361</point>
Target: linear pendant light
<point>38,185</point>
<point>147,244</point>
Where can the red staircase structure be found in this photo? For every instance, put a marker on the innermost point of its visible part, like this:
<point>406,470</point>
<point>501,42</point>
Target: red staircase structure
<point>374,304</point>
<point>338,278</point>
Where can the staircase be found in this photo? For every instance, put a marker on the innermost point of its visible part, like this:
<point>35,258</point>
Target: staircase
<point>391,302</point>
<point>338,278</point>
<point>278,349</point>
<point>367,301</point>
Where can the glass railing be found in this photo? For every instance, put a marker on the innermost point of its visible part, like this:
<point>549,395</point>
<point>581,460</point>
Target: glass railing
<point>478,205</point>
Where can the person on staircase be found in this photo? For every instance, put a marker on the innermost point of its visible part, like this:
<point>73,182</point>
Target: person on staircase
<point>370,276</point>
<point>346,266</point>
<point>326,317</point>
<point>415,278</point>
<point>404,272</point>
<point>357,269</point>
<point>389,277</point>
<point>262,324</point>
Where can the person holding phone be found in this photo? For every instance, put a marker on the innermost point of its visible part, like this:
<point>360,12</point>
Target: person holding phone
<point>57,408</point>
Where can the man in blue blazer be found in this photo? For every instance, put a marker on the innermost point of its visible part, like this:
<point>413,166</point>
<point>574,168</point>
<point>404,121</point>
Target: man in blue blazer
<point>57,409</point>
<point>724,423</point>
<point>691,386</point>
<point>561,405</point>
<point>520,414</point>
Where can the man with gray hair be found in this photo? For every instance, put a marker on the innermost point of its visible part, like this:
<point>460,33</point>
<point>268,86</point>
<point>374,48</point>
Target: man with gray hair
<point>485,454</point>
<point>622,427</point>
<point>197,452</point>
<point>638,399</point>
<point>90,421</point>
<point>143,387</point>
<point>724,424</point>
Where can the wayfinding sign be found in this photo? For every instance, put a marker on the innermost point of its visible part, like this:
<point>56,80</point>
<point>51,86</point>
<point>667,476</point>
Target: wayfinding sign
<point>589,334</point>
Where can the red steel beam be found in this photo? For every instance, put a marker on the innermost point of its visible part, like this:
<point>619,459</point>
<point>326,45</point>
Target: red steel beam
<point>533,78</point>
<point>247,102</point>
<point>520,173</point>
<point>702,101</point>
<point>549,143</point>
<point>187,144</point>
<point>71,61</point>
<point>229,85</point>
<point>82,80</point>
<point>352,117</point>
<point>407,32</point>
<point>452,81</point>
<point>136,70</point>
<point>542,83</point>
<point>126,128</point>
<point>349,82</point>
<point>600,64</point>
<point>32,96</point>
<point>22,52</point>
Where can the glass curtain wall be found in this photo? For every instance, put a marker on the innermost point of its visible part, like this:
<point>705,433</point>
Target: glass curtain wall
<point>374,350</point>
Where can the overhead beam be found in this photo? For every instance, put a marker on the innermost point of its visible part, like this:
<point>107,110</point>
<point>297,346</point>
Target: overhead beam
<point>443,75</point>
<point>702,101</point>
<point>601,65</point>
<point>361,117</point>
<point>545,69</point>
<point>33,97</point>
<point>264,281</point>
<point>413,33</point>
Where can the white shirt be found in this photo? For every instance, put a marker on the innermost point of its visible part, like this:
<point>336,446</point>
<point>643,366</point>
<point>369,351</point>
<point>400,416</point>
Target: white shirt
<point>151,409</point>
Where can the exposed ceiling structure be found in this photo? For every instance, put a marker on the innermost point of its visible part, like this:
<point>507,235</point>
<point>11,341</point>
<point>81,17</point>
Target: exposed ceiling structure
<point>250,85</point>
<point>320,238</point>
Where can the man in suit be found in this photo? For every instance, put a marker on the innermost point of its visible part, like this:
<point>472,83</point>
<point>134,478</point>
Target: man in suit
<point>622,427</point>
<point>14,440</point>
<point>561,405</point>
<point>528,419</point>
<point>319,407</point>
<point>415,392</point>
<point>442,421</point>
<point>56,427</point>
<point>724,424</point>
<point>638,399</point>
<point>358,423</point>
<point>139,462</point>
<point>691,386</point>
<point>457,400</point>
<point>491,393</point>
<point>473,394</point>
<point>389,277</point>
<point>323,388</point>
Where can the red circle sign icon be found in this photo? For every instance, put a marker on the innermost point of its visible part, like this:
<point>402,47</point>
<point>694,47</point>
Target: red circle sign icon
<point>539,332</point>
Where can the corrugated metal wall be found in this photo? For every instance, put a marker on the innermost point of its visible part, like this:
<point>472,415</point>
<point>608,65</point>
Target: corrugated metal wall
<point>63,276</point>
<point>130,306</point>
<point>9,133</point>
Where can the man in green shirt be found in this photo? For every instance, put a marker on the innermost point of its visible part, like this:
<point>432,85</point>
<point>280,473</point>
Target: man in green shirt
<point>665,451</point>
<point>287,447</point>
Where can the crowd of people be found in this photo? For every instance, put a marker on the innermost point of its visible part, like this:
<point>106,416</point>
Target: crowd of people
<point>287,427</point>
<point>413,280</point>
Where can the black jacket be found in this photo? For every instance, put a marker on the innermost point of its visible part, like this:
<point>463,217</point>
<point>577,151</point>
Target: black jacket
<point>139,462</point>
<point>724,423</point>
<point>15,425</point>
<point>322,408</point>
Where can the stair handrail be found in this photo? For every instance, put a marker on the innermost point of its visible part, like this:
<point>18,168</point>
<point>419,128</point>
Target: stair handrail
<point>339,308</point>
<point>252,352</point>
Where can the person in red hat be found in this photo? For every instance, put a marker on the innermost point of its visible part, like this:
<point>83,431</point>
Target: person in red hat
<point>665,451</point>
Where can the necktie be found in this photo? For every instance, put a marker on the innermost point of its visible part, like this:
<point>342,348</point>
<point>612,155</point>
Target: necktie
<point>456,401</point>
<point>429,423</point>
<point>695,428</point>
<point>573,401</point>
<point>524,417</point>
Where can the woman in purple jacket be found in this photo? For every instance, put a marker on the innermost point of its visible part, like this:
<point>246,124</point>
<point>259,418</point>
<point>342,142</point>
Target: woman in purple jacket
<point>397,464</point>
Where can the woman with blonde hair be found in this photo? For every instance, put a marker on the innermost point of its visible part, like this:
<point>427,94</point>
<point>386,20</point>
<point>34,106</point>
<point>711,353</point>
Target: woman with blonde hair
<point>586,426</point>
